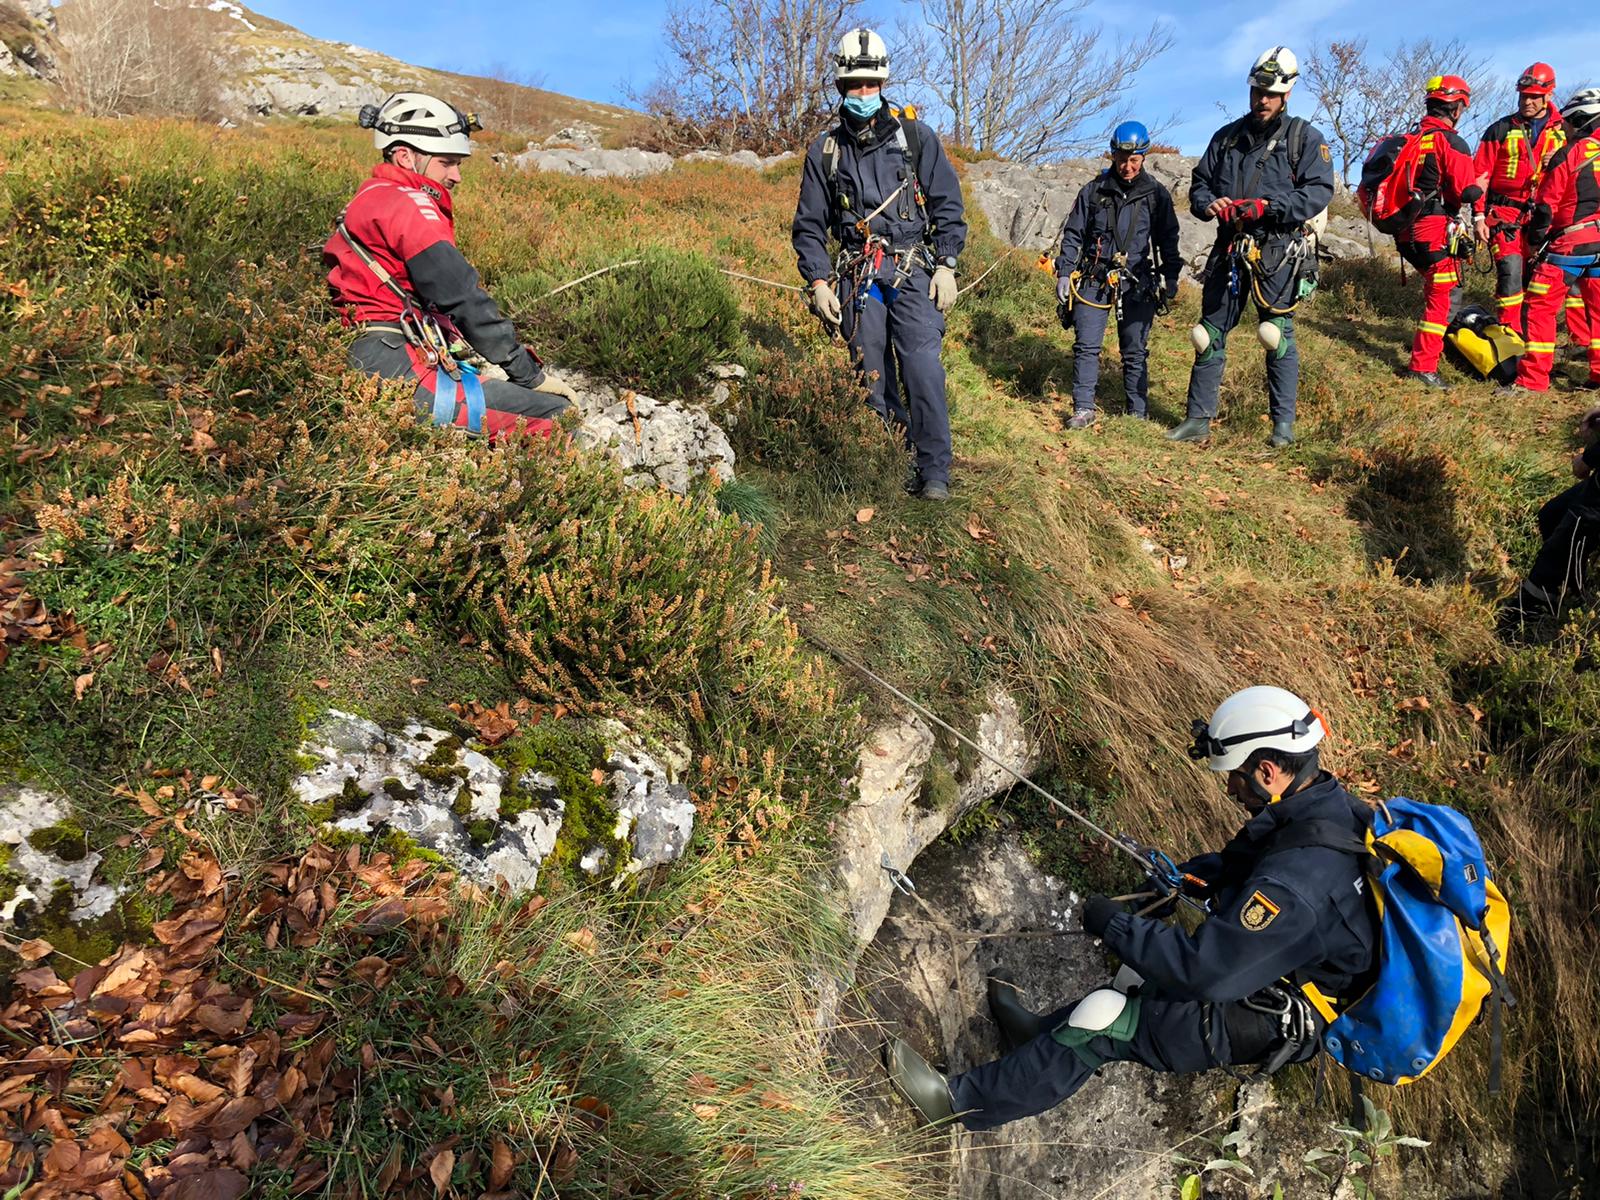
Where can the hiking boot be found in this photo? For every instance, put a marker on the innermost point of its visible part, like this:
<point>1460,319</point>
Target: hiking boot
<point>1428,379</point>
<point>935,489</point>
<point>1589,385</point>
<point>1513,389</point>
<point>1019,1024</point>
<point>1139,414</point>
<point>913,1078</point>
<point>1529,602</point>
<point>1082,420</point>
<point>1282,435</point>
<point>913,484</point>
<point>1195,429</point>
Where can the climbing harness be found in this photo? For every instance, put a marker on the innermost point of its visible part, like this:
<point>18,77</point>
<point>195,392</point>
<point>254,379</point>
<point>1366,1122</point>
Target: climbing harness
<point>456,382</point>
<point>1246,261</point>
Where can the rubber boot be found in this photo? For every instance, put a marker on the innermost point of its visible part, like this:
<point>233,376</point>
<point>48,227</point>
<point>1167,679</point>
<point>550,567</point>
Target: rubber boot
<point>1195,429</point>
<point>913,1078</point>
<point>1019,1024</point>
<point>935,489</point>
<point>1282,435</point>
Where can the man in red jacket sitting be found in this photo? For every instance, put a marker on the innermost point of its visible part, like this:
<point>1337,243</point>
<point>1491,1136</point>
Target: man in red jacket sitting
<point>1445,180</point>
<point>395,271</point>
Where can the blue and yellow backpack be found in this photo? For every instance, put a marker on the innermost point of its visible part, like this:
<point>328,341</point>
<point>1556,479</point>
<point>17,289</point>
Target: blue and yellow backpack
<point>1443,931</point>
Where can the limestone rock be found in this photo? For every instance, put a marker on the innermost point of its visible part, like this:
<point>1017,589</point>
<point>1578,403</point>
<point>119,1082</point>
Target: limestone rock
<point>654,811</point>
<point>37,874</point>
<point>424,784</point>
<point>594,163</point>
<point>889,817</point>
<point>580,135</point>
<point>738,158</point>
<point>1103,1137</point>
<point>658,443</point>
<point>8,62</point>
<point>447,797</point>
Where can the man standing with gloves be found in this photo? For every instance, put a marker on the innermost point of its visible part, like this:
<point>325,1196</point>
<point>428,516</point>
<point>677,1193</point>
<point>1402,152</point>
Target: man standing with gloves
<point>396,273</point>
<point>1565,223</point>
<point>1119,256</point>
<point>879,183</point>
<point>1511,161</point>
<point>1263,178</point>
<point>1282,905</point>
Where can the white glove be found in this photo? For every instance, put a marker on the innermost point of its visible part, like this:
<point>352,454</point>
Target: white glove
<point>554,385</point>
<point>825,303</point>
<point>942,288</point>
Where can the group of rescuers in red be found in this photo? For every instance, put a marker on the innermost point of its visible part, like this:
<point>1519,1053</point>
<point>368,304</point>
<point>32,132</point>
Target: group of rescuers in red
<point>1532,186</point>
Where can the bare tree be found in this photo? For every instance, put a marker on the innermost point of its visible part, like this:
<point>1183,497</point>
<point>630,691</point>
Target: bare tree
<point>1030,80</point>
<point>1363,96</point>
<point>512,98</point>
<point>746,73</point>
<point>132,56</point>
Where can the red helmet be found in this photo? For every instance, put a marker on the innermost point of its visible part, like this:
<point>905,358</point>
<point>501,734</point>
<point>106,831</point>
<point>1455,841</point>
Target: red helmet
<point>1537,80</point>
<point>1450,88</point>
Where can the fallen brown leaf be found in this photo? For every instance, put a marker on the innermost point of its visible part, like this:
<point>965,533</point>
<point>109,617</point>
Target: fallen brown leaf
<point>439,1170</point>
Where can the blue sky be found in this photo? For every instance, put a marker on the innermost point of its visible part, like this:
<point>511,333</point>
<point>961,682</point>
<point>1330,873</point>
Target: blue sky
<point>590,52</point>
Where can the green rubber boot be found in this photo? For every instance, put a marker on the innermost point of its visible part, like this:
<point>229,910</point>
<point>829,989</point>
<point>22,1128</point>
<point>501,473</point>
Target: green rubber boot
<point>1195,429</point>
<point>918,1082</point>
<point>1018,1023</point>
<point>1282,435</point>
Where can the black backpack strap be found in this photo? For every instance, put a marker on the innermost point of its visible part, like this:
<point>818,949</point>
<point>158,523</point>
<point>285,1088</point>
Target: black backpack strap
<point>1323,834</point>
<point>1297,145</point>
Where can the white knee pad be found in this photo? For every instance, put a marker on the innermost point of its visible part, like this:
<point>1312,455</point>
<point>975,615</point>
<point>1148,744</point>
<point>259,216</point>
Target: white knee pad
<point>1201,337</point>
<point>1098,1010</point>
<point>1271,335</point>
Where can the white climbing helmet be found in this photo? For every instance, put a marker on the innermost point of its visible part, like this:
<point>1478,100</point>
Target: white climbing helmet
<point>1275,71</point>
<point>423,122</point>
<point>862,58</point>
<point>1258,718</point>
<point>1581,112</point>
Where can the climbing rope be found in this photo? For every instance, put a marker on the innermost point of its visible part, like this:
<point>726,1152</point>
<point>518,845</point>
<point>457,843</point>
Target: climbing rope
<point>1160,868</point>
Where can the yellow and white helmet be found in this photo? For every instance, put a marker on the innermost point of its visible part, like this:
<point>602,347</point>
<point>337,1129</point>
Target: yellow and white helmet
<point>423,122</point>
<point>1275,71</point>
<point>862,57</point>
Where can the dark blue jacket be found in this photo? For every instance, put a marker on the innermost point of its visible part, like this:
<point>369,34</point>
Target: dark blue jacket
<point>1137,220</point>
<point>1295,192</point>
<point>871,165</point>
<point>1296,912</point>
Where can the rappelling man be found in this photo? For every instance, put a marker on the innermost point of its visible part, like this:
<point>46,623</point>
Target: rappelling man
<point>1286,911</point>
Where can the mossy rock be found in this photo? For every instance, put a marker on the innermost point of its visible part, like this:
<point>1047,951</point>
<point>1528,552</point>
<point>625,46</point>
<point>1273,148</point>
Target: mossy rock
<point>570,754</point>
<point>67,840</point>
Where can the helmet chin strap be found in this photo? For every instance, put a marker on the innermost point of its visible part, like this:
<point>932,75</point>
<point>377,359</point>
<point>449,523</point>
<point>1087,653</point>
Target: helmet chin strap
<point>1260,793</point>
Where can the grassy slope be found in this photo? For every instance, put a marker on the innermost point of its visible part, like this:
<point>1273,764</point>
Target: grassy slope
<point>1035,574</point>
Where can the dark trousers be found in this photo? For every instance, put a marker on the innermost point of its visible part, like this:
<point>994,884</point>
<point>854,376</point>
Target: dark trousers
<point>1570,527</point>
<point>386,355</point>
<point>1223,300</point>
<point>1171,1037</point>
<point>1133,336</point>
<point>894,341</point>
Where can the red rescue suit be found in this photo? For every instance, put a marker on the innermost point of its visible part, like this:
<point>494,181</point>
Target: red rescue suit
<point>1566,211</point>
<point>1511,161</point>
<point>405,222</point>
<point>1446,178</point>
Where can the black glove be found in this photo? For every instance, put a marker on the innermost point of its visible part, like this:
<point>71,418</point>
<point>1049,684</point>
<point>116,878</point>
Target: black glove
<point>1097,914</point>
<point>1169,290</point>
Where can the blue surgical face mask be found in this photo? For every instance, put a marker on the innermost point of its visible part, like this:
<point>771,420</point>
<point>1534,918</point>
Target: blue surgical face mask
<point>864,107</point>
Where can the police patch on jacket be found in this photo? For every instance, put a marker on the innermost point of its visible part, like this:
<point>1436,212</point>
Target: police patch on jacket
<point>1258,912</point>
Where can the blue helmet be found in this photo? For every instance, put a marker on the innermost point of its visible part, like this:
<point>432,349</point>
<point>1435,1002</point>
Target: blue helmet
<point>1131,135</point>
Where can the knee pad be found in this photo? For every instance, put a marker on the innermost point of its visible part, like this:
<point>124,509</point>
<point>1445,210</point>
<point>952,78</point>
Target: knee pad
<point>1207,340</point>
<point>1098,1010</point>
<point>1275,336</point>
